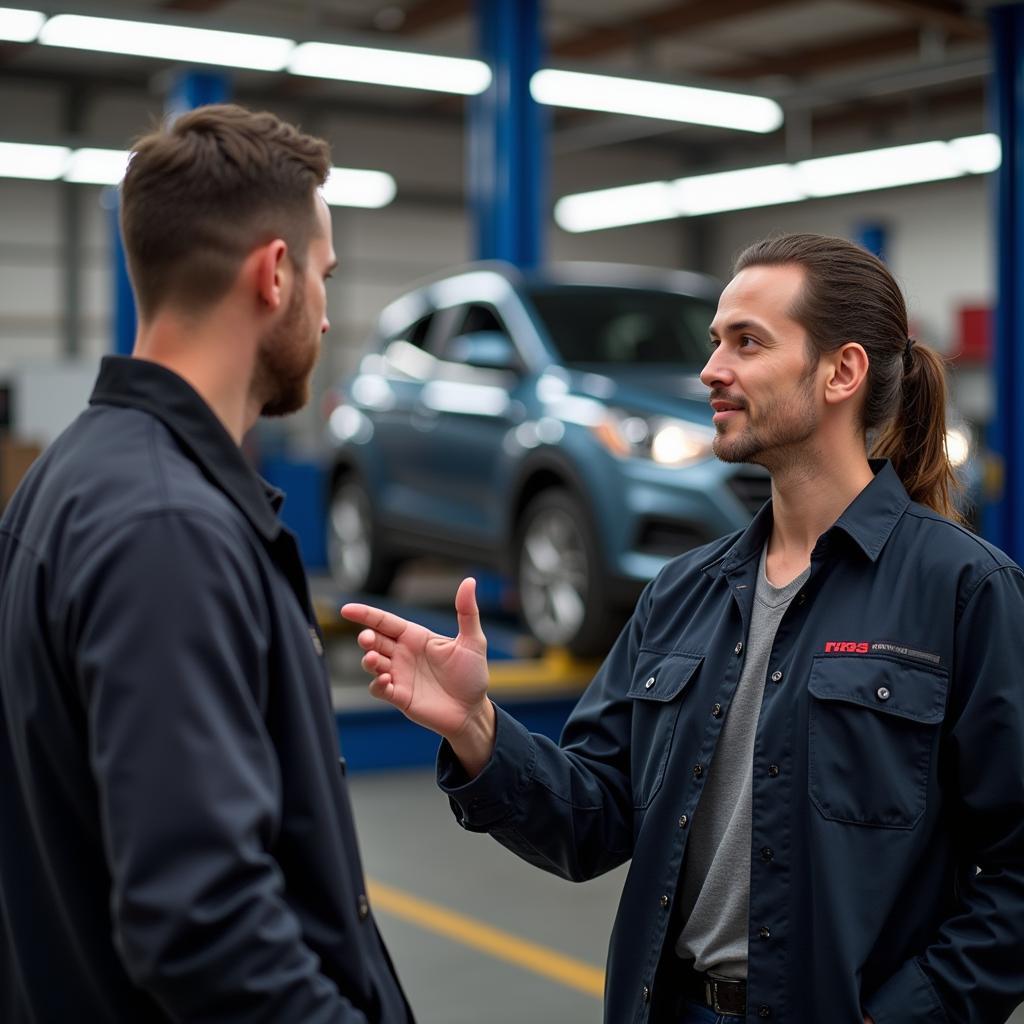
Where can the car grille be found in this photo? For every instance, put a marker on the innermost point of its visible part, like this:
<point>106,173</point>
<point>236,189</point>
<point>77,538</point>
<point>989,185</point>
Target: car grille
<point>753,487</point>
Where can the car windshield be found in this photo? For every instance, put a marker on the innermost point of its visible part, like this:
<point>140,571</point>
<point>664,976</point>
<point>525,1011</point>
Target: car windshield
<point>612,326</point>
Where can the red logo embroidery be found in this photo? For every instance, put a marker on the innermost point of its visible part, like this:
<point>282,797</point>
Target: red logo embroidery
<point>845,647</point>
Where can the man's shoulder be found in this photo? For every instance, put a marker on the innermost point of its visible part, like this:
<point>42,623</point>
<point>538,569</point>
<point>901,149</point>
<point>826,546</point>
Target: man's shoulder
<point>111,468</point>
<point>953,544</point>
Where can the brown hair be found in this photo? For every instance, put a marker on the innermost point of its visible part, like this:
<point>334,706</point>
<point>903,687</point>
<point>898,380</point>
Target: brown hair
<point>204,192</point>
<point>849,295</point>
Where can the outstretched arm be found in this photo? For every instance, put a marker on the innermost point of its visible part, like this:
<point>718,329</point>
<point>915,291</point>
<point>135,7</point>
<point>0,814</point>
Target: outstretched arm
<point>436,681</point>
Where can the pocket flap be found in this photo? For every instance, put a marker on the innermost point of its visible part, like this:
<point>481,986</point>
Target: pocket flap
<point>663,677</point>
<point>881,684</point>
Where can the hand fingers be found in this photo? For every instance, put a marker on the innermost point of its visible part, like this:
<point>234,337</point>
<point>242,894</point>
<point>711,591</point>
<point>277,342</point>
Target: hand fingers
<point>376,618</point>
<point>383,688</point>
<point>371,641</point>
<point>375,663</point>
<point>468,613</point>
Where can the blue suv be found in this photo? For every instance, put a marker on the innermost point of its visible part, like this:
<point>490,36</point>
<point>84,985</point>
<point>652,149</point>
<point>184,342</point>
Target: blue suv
<point>549,424</point>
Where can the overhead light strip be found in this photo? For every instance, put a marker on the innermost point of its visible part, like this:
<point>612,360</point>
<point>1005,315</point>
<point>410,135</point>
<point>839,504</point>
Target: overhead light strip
<point>778,183</point>
<point>18,26</point>
<point>662,100</point>
<point>396,68</point>
<point>345,186</point>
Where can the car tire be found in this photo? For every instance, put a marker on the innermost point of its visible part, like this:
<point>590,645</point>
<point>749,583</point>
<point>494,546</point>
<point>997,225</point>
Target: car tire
<point>562,583</point>
<point>357,559</point>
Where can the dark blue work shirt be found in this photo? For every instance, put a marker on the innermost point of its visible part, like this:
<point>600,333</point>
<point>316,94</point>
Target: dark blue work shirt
<point>177,840</point>
<point>887,851</point>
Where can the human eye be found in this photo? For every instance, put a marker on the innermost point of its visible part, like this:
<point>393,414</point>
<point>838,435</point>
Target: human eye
<point>747,341</point>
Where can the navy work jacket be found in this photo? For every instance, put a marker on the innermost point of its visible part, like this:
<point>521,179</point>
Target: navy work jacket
<point>887,854</point>
<point>177,840</point>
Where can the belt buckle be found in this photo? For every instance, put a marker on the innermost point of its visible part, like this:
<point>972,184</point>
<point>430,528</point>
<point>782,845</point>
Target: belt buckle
<point>711,995</point>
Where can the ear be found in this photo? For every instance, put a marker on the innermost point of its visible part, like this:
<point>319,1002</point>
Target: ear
<point>270,272</point>
<point>847,369</point>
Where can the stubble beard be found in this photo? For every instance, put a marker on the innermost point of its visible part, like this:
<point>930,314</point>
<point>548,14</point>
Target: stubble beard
<point>783,429</point>
<point>284,364</point>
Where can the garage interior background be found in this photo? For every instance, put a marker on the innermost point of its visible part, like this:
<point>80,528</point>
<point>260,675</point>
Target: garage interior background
<point>850,75</point>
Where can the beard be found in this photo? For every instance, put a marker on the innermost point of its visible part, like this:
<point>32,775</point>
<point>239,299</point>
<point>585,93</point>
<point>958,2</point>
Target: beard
<point>285,361</point>
<point>775,439</point>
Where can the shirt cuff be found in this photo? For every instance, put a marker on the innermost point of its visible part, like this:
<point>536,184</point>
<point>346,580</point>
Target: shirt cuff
<point>485,802</point>
<point>908,997</point>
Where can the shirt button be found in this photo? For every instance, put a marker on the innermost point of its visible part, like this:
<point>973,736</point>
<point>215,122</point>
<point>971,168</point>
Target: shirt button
<point>645,995</point>
<point>882,693</point>
<point>738,649</point>
<point>683,821</point>
<point>649,683</point>
<point>716,711</point>
<point>767,853</point>
<point>801,597</point>
<point>764,1011</point>
<point>765,933</point>
<point>776,676</point>
<point>773,771</point>
<point>363,907</point>
<point>698,770</point>
<point>664,901</point>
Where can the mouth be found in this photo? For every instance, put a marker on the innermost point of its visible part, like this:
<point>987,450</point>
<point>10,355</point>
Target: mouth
<point>724,410</point>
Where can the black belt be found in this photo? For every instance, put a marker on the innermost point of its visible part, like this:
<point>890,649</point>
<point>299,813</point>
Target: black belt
<point>723,995</point>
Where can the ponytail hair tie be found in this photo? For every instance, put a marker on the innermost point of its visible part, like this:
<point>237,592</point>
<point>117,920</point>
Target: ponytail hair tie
<point>909,348</point>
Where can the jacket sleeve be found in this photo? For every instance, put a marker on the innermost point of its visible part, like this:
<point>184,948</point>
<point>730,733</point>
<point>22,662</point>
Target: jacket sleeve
<point>169,629</point>
<point>567,807</point>
<point>972,970</point>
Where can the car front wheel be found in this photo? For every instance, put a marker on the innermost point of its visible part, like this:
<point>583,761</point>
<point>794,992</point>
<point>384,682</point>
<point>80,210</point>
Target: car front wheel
<point>355,555</point>
<point>563,590</point>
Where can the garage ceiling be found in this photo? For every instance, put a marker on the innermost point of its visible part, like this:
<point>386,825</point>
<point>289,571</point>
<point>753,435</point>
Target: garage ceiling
<point>846,71</point>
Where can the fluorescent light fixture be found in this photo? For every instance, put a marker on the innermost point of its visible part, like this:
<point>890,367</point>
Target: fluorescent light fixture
<point>878,168</point>
<point>97,166</point>
<point>616,207</point>
<point>20,26</point>
<point>169,42</point>
<point>655,99</point>
<point>761,186</point>
<point>390,67</point>
<point>349,187</point>
<point>39,163</point>
<point>778,183</point>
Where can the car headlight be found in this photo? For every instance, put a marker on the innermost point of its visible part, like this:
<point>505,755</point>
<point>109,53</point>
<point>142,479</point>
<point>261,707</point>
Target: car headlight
<point>667,441</point>
<point>958,446</point>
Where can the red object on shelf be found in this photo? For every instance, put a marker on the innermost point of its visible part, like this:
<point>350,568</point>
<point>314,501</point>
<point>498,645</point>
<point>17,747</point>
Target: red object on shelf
<point>975,335</point>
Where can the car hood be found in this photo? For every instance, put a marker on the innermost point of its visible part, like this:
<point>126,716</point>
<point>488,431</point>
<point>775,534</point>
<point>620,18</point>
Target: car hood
<point>650,390</point>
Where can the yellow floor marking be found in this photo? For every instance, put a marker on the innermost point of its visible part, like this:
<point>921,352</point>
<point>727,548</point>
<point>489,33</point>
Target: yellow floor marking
<point>483,938</point>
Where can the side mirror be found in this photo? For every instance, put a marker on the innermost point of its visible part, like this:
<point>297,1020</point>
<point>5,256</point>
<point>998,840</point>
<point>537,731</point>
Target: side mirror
<point>488,350</point>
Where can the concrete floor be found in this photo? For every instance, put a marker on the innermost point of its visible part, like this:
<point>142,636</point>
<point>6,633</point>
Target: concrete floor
<point>410,841</point>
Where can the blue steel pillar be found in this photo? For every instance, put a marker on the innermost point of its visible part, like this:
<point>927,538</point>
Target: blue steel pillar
<point>189,89</point>
<point>1003,520</point>
<point>507,135</point>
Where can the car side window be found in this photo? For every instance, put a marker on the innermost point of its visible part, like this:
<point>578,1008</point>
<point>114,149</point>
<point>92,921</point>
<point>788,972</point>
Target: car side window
<point>416,334</point>
<point>476,319</point>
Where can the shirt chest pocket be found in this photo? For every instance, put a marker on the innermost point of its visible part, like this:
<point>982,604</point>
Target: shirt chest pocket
<point>658,690</point>
<point>873,725</point>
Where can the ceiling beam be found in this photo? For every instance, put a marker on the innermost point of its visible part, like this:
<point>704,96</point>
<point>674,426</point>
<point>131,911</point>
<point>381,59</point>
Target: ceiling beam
<point>193,6</point>
<point>824,57</point>
<point>669,20</point>
<point>428,14</point>
<point>947,15</point>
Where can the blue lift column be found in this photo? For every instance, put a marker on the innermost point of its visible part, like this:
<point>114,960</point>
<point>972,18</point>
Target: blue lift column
<point>507,135</point>
<point>189,89</point>
<point>1003,520</point>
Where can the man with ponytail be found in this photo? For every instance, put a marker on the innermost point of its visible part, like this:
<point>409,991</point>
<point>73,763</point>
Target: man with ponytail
<point>809,739</point>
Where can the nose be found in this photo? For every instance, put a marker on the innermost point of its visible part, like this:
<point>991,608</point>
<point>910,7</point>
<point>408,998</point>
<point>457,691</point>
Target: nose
<point>716,370</point>
<point>325,325</point>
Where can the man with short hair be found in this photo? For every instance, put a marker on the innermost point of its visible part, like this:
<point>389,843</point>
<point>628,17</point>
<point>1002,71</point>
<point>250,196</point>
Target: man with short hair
<point>178,842</point>
<point>809,739</point>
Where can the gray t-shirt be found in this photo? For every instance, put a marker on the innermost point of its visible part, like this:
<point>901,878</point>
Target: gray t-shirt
<point>715,897</point>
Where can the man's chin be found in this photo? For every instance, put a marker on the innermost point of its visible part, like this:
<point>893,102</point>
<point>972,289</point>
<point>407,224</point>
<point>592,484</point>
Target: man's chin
<point>734,452</point>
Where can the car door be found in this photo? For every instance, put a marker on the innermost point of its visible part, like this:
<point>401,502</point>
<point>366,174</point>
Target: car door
<point>465,411</point>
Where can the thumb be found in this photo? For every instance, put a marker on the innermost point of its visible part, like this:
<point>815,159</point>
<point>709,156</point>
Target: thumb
<point>468,613</point>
